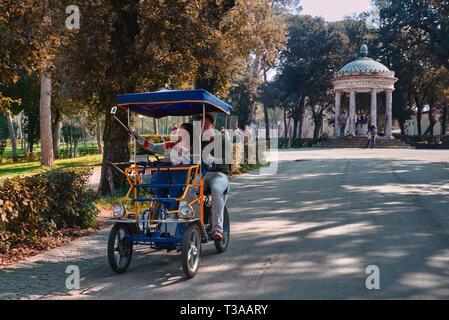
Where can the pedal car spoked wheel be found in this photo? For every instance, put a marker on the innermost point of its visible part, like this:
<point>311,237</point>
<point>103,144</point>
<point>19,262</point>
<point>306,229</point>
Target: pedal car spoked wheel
<point>222,245</point>
<point>119,252</point>
<point>191,250</point>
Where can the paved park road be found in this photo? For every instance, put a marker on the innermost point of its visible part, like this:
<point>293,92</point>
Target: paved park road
<point>308,232</point>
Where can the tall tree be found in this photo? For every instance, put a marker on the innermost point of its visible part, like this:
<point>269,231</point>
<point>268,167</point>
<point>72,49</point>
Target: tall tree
<point>47,156</point>
<point>12,135</point>
<point>18,48</point>
<point>414,42</point>
<point>129,46</point>
<point>26,43</point>
<point>315,50</point>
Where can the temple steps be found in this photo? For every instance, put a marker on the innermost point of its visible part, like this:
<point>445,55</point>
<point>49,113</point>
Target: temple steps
<point>361,142</point>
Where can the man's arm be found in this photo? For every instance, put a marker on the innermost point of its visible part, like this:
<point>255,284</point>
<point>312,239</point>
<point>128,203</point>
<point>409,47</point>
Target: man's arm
<point>154,147</point>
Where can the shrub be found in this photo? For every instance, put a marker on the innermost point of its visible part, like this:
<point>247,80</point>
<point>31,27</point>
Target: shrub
<point>151,138</point>
<point>32,208</point>
<point>427,140</point>
<point>156,138</point>
<point>70,204</point>
<point>287,143</point>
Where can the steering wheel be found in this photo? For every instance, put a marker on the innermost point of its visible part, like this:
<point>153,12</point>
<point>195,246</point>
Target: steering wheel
<point>149,161</point>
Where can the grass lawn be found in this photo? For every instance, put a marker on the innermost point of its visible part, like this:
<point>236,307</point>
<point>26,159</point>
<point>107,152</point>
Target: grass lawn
<point>9,170</point>
<point>37,148</point>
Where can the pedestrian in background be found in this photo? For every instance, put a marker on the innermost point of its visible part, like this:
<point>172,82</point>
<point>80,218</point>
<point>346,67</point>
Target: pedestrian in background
<point>372,133</point>
<point>343,119</point>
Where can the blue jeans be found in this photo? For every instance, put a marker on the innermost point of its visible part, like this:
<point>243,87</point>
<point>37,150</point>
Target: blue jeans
<point>217,183</point>
<point>342,130</point>
<point>372,141</point>
<point>162,177</point>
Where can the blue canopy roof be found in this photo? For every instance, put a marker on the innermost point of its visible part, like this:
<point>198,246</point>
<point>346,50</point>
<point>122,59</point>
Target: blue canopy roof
<point>172,103</point>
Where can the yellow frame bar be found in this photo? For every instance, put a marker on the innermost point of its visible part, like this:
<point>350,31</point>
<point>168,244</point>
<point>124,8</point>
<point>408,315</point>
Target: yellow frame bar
<point>137,180</point>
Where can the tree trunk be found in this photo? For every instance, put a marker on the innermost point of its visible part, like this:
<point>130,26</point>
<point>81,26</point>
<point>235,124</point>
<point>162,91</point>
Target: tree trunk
<point>99,140</point>
<point>429,131</point>
<point>85,144</point>
<point>302,125</point>
<point>29,149</point>
<point>296,122</point>
<point>56,132</point>
<point>444,121</point>
<point>71,139</point>
<point>419,119</point>
<point>432,121</point>
<point>12,135</point>
<point>289,128</point>
<point>47,156</point>
<point>64,145</point>
<point>267,119</point>
<point>318,119</point>
<point>285,123</point>
<point>19,129</point>
<point>251,111</point>
<point>75,147</point>
<point>116,149</point>
<point>57,138</point>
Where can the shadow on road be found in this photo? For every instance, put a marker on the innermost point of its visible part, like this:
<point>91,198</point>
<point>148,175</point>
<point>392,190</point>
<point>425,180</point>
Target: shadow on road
<point>309,232</point>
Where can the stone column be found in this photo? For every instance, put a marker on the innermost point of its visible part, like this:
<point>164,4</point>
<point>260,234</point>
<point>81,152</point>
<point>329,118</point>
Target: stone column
<point>389,115</point>
<point>374,107</point>
<point>352,107</point>
<point>337,113</point>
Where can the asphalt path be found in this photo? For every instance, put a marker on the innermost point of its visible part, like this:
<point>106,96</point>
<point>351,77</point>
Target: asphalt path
<point>311,231</point>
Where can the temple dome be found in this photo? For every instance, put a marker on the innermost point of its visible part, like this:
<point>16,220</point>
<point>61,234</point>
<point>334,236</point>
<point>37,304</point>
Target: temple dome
<point>364,64</point>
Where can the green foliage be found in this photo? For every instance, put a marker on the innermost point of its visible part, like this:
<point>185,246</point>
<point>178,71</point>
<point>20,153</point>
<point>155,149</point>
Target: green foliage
<point>425,24</point>
<point>154,138</point>
<point>414,38</point>
<point>27,91</point>
<point>285,143</point>
<point>34,207</point>
<point>425,141</point>
<point>6,102</point>
<point>315,51</point>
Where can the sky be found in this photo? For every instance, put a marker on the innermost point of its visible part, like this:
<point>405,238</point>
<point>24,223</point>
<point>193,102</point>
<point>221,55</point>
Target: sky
<point>334,10</point>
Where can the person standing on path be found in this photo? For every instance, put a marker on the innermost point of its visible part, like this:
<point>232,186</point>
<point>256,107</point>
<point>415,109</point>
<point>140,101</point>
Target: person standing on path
<point>372,133</point>
<point>343,119</point>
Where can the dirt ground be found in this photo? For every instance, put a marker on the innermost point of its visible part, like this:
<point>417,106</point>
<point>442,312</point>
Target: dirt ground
<point>59,238</point>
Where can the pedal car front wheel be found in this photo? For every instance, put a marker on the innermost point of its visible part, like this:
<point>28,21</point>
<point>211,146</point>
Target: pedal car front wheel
<point>119,252</point>
<point>191,250</point>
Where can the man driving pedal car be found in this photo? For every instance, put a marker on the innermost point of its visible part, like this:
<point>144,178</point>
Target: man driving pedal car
<point>181,149</point>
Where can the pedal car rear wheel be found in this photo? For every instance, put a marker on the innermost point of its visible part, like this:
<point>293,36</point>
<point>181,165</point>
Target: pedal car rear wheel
<point>191,250</point>
<point>119,252</point>
<point>222,245</point>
